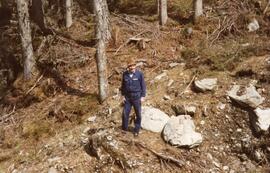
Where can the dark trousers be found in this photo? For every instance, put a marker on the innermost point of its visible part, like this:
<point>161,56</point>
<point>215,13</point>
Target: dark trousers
<point>136,103</point>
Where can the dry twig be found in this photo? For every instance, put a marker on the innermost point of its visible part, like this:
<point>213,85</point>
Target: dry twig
<point>194,77</point>
<point>175,161</point>
<point>4,117</point>
<point>266,8</point>
<point>41,76</point>
<point>125,19</point>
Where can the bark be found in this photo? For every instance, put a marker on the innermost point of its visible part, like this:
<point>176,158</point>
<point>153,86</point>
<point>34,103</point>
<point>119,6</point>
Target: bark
<point>157,5</point>
<point>163,15</point>
<point>68,13</point>
<point>37,14</point>
<point>102,35</point>
<point>4,3</point>
<point>26,39</point>
<point>198,9</point>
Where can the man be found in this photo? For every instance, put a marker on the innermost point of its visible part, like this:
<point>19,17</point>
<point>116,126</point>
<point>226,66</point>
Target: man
<point>133,89</point>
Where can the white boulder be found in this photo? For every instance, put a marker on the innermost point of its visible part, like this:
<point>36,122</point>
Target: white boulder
<point>207,84</point>
<point>180,131</point>
<point>262,120</point>
<point>253,25</point>
<point>250,97</point>
<point>180,109</point>
<point>153,119</point>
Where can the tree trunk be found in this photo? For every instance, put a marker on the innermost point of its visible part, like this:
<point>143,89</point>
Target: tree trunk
<point>163,15</point>
<point>37,14</point>
<point>157,5</point>
<point>198,9</point>
<point>102,35</point>
<point>25,33</point>
<point>68,13</point>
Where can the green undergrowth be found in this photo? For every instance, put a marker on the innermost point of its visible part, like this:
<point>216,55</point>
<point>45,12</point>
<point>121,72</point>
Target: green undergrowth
<point>225,54</point>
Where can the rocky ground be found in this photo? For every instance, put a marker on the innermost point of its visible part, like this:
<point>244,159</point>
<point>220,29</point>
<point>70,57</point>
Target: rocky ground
<point>59,126</point>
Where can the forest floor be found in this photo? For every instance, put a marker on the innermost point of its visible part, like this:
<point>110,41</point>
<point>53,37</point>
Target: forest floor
<point>46,128</point>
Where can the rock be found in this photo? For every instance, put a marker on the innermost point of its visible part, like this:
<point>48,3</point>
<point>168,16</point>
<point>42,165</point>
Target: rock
<point>221,106</point>
<point>91,119</point>
<point>202,122</point>
<point>205,111</point>
<point>166,97</point>
<point>116,91</point>
<point>258,155</point>
<point>251,97</point>
<point>184,109</point>
<point>52,170</point>
<point>253,25</point>
<point>153,119</point>
<point>162,75</point>
<point>225,168</point>
<point>262,119</point>
<point>174,64</point>
<point>86,130</point>
<point>180,131</point>
<point>206,84</point>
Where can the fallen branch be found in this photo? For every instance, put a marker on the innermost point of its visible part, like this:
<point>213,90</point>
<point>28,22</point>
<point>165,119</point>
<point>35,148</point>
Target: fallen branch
<point>41,76</point>
<point>194,77</point>
<point>177,162</point>
<point>127,41</point>
<point>4,117</point>
<point>125,19</point>
<point>266,8</point>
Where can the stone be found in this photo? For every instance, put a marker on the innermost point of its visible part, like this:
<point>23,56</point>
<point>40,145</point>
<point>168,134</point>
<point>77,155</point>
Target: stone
<point>180,131</point>
<point>207,84</point>
<point>250,97</point>
<point>253,25</point>
<point>52,170</point>
<point>153,119</point>
<point>184,109</point>
<point>91,119</point>
<point>166,97</point>
<point>174,64</point>
<point>221,106</point>
<point>262,120</point>
<point>258,155</point>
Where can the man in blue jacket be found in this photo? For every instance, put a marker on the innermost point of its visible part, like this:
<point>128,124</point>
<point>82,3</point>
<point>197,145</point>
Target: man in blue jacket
<point>133,89</point>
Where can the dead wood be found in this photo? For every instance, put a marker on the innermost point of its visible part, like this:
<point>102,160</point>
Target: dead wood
<point>4,117</point>
<point>175,161</point>
<point>128,40</point>
<point>194,77</point>
<point>266,7</point>
<point>125,19</point>
<point>100,142</point>
<point>41,76</point>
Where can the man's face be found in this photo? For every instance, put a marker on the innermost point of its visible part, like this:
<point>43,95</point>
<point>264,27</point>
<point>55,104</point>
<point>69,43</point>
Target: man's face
<point>132,68</point>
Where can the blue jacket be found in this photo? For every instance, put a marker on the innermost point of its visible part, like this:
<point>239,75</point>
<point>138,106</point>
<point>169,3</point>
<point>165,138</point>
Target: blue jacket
<point>133,88</point>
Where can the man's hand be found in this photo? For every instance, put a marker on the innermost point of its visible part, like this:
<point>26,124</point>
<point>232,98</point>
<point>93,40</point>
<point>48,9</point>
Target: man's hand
<point>123,99</point>
<point>142,99</point>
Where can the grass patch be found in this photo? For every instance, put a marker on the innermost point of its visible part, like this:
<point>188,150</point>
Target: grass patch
<point>37,129</point>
